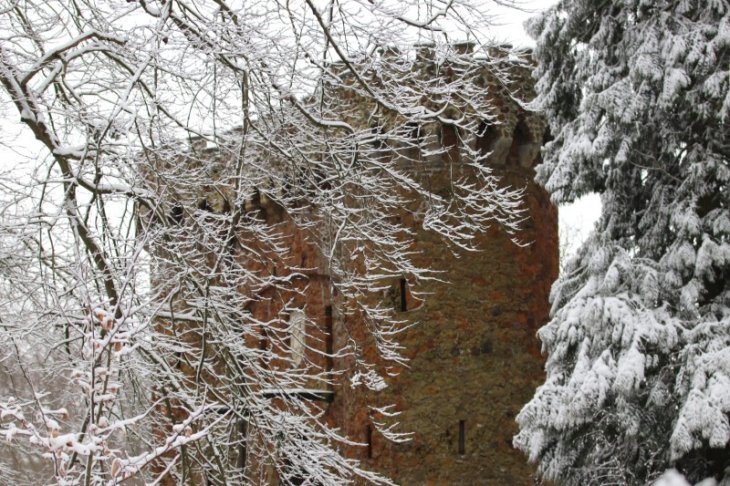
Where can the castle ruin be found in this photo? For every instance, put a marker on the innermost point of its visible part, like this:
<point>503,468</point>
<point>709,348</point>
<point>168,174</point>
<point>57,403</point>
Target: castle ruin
<point>473,358</point>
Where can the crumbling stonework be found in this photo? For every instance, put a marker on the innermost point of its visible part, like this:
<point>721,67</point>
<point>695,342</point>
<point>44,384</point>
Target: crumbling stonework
<point>473,357</point>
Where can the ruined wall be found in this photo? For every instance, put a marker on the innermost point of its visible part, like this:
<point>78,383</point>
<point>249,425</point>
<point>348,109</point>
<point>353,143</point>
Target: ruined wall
<point>474,359</point>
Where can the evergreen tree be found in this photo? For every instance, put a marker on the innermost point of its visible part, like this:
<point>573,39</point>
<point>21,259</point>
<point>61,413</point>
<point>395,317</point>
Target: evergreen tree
<point>638,350</point>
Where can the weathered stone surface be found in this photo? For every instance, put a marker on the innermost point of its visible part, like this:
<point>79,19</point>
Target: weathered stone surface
<point>473,355</point>
<point>474,359</point>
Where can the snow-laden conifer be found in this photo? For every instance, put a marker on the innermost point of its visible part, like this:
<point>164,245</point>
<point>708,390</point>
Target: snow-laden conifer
<point>638,350</point>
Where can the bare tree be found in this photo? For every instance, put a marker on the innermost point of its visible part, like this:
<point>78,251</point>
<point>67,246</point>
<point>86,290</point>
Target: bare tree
<point>153,313</point>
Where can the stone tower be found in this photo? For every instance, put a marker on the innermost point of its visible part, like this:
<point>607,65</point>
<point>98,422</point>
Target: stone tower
<point>473,357</point>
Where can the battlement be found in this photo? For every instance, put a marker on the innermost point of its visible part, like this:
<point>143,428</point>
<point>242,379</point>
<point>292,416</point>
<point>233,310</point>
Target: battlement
<point>470,110</point>
<point>472,102</point>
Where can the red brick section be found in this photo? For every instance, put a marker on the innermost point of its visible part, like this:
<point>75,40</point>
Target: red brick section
<point>474,358</point>
<point>304,286</point>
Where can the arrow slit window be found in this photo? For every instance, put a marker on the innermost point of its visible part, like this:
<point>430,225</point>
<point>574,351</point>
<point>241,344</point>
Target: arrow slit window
<point>298,335</point>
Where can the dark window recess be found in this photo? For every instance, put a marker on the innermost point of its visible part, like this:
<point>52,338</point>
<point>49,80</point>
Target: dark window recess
<point>415,132</point>
<point>487,136</point>
<point>203,205</point>
<point>547,136</point>
<point>413,140</point>
<point>321,179</point>
<point>450,141</point>
<point>291,476</point>
<point>403,294</point>
<point>178,359</point>
<point>308,395</point>
<point>462,437</point>
<point>242,437</point>
<point>520,137</point>
<point>449,136</point>
<point>286,322</point>
<point>256,199</point>
<point>177,214</point>
<point>369,440</point>
<point>264,348</point>
<point>378,138</point>
<point>329,338</point>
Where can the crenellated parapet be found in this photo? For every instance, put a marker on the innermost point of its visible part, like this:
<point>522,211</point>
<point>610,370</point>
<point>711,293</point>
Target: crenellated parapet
<point>470,104</point>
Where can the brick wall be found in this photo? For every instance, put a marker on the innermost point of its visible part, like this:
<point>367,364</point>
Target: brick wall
<point>473,358</point>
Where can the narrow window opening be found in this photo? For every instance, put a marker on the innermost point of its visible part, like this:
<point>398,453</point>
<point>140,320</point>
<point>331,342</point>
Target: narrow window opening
<point>403,295</point>
<point>256,199</point>
<point>263,347</point>
<point>414,131</point>
<point>449,136</point>
<point>329,338</point>
<point>177,214</point>
<point>450,141</point>
<point>291,476</point>
<point>462,437</point>
<point>413,140</point>
<point>214,203</point>
<point>369,440</point>
<point>378,139</point>
<point>242,437</point>
<point>204,206</point>
<point>547,136</point>
<point>522,133</point>
<point>520,138</point>
<point>487,136</point>
<point>297,336</point>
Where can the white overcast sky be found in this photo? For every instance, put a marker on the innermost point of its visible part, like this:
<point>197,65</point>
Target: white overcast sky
<point>509,28</point>
<point>504,24</point>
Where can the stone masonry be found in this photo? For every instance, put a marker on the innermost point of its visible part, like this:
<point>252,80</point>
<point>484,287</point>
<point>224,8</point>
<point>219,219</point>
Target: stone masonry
<point>474,359</point>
